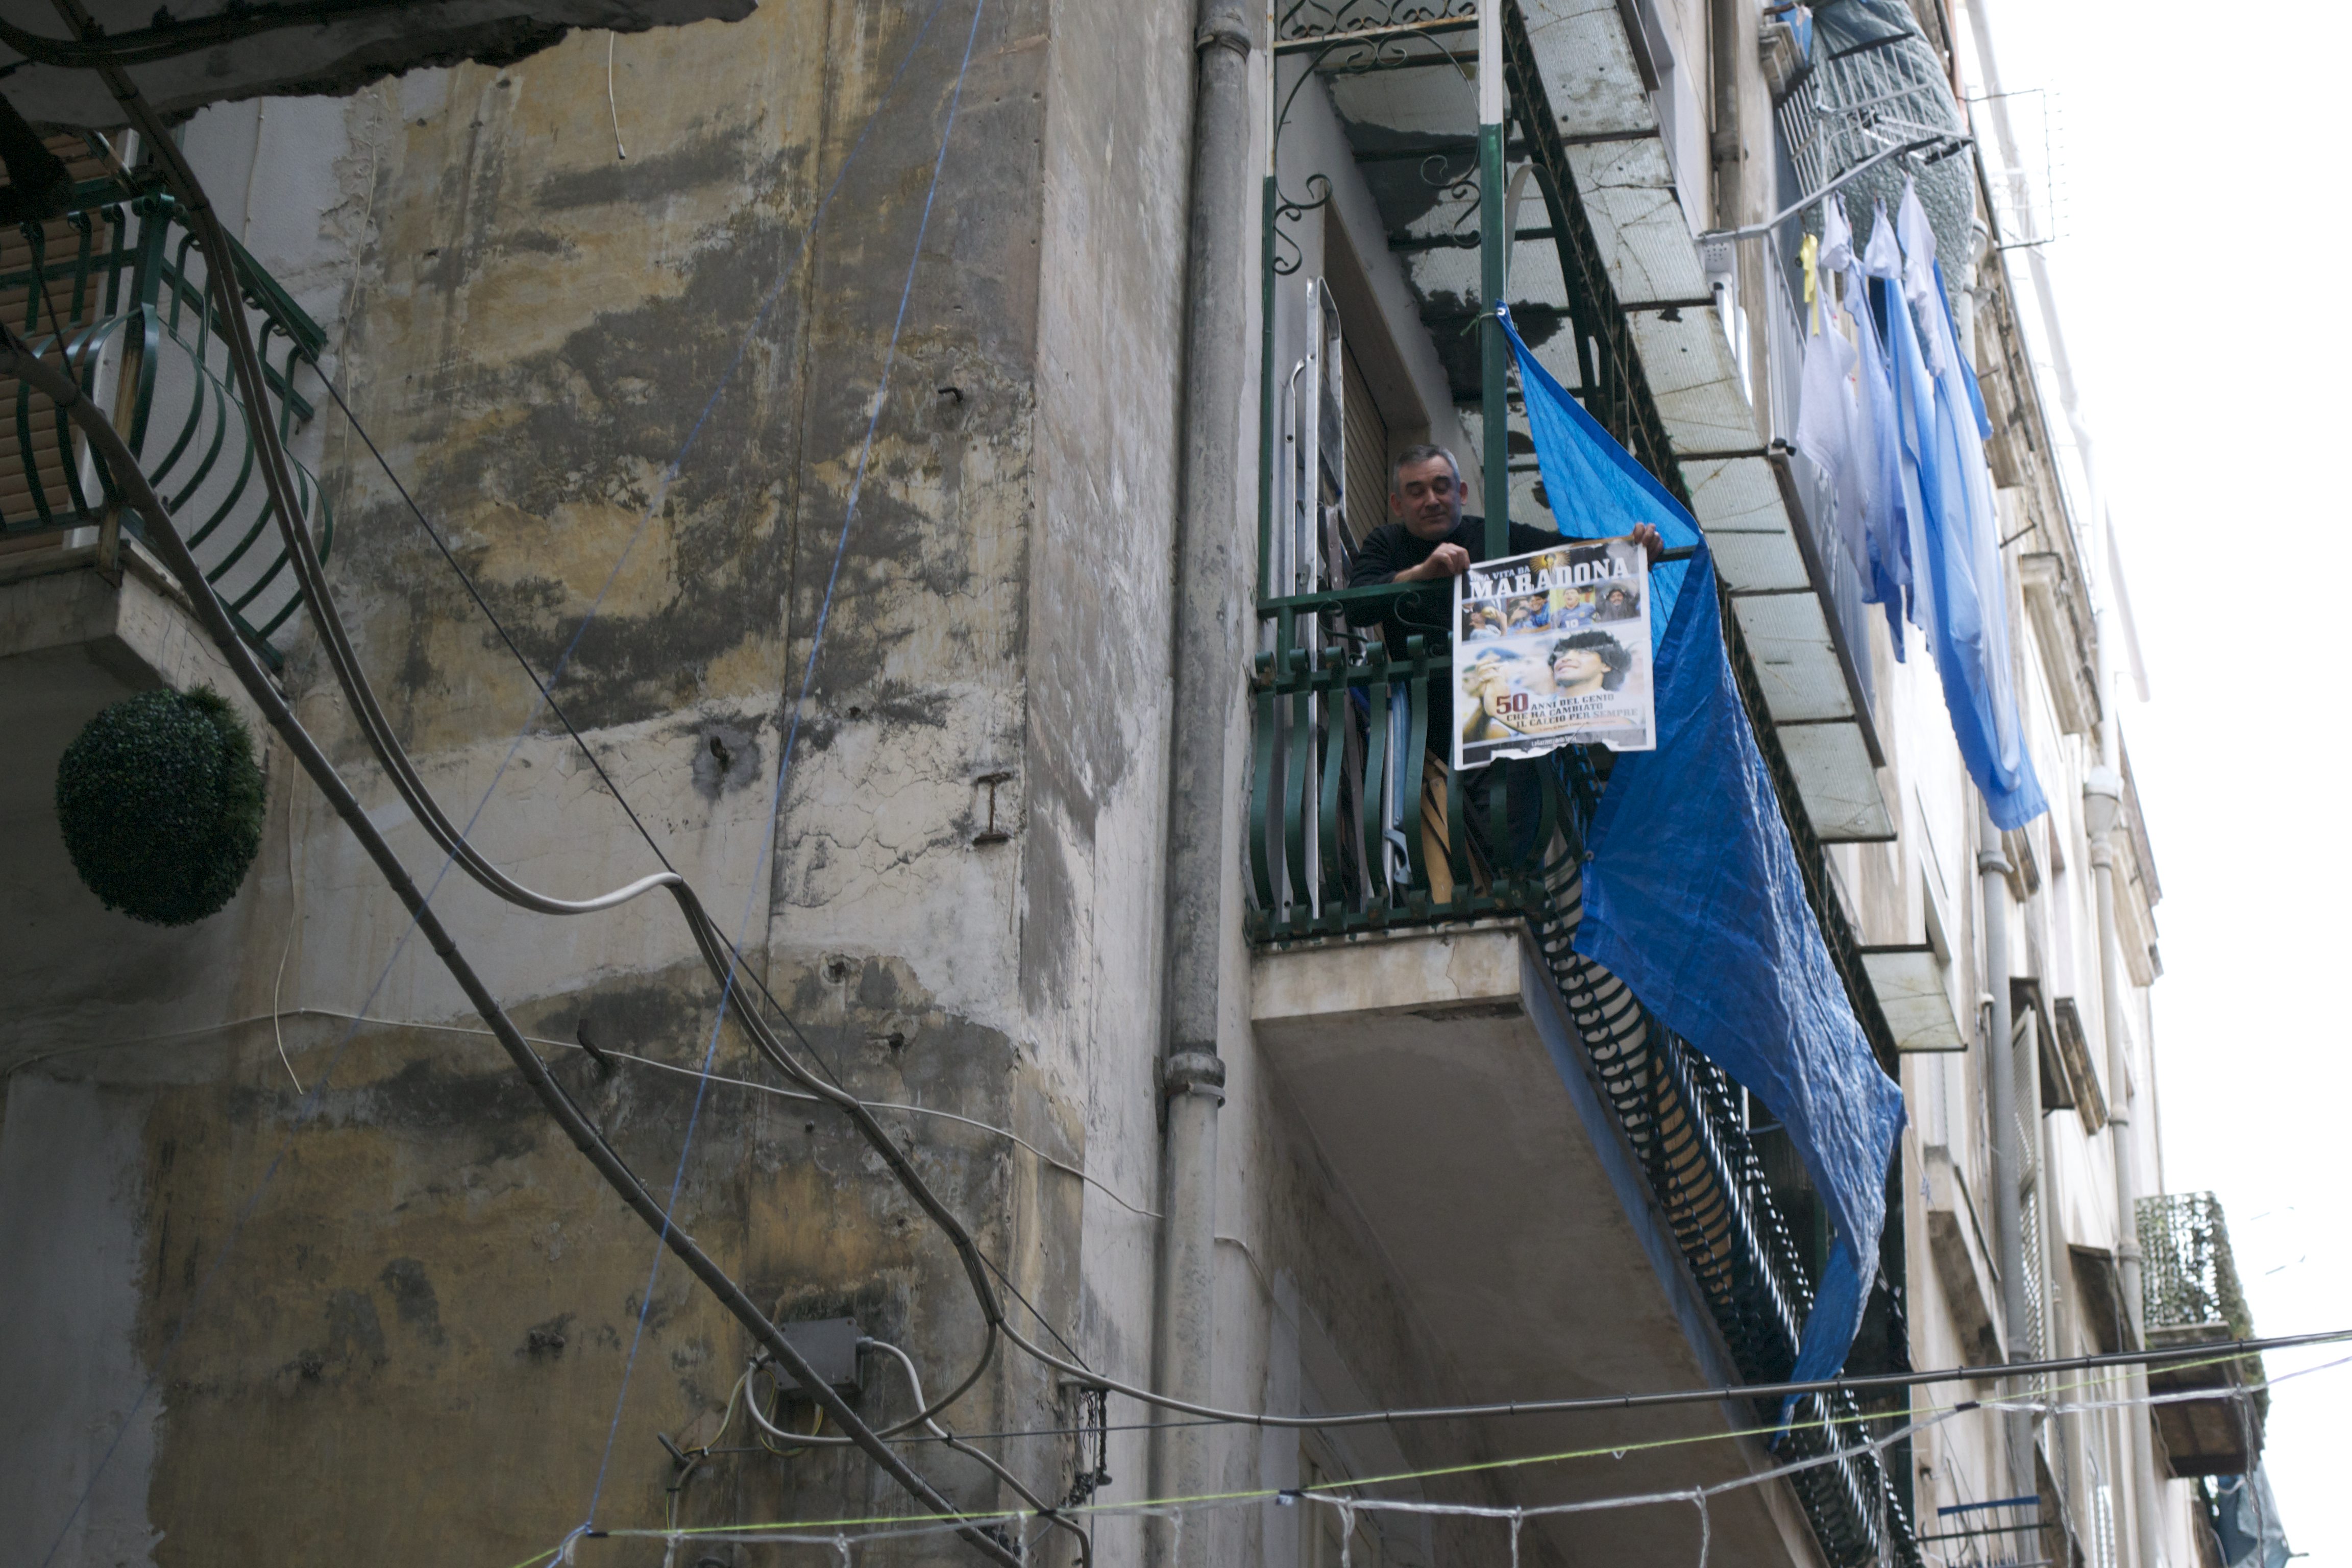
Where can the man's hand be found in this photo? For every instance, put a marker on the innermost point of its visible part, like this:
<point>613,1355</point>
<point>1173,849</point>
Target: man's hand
<point>1446,561</point>
<point>1645,534</point>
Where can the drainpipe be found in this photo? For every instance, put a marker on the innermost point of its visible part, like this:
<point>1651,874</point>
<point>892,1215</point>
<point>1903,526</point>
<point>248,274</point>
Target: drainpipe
<point>1215,562</point>
<point>1727,32</point>
<point>2101,804</point>
<point>2000,1087</point>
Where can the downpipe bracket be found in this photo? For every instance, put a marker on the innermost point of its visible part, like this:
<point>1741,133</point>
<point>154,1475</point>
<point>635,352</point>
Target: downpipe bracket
<point>1226,30</point>
<point>1192,1072</point>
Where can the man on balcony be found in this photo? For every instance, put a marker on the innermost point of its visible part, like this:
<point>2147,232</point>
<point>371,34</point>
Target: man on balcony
<point>1431,541</point>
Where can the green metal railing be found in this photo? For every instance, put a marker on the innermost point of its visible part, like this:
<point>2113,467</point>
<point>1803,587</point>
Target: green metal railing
<point>116,285</point>
<point>2189,1275</point>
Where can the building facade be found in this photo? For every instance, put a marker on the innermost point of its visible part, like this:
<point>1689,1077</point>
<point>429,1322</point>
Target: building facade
<point>891,468</point>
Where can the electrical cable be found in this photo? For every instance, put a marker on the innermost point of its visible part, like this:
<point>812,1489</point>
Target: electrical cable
<point>798,1097</point>
<point>384,742</point>
<point>890,1526</point>
<point>2198,1354</point>
<point>915,1382</point>
<point>967,1248</point>
<point>721,957</point>
<point>102,439</point>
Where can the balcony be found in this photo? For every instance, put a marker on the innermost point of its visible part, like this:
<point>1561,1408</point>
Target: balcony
<point>2190,1295</point>
<point>1431,1002</point>
<point>114,284</point>
<point>1586,1203</point>
<point>87,616</point>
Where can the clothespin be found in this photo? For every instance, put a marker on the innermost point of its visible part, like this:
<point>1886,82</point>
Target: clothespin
<point>1806,253</point>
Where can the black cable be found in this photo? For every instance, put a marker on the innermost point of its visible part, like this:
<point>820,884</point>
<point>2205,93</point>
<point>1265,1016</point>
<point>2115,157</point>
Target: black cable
<point>220,275</point>
<point>1042,1322</point>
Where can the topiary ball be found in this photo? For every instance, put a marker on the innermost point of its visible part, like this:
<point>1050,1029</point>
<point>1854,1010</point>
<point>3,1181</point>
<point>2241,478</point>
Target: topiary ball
<point>159,801</point>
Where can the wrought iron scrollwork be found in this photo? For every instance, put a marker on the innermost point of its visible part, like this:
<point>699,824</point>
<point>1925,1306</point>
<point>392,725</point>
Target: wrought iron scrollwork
<point>1288,257</point>
<point>1321,18</point>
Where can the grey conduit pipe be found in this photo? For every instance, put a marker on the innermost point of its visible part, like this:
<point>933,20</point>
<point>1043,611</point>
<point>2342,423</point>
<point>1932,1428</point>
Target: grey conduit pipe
<point>2001,1095</point>
<point>1215,561</point>
<point>2102,806</point>
<point>717,951</point>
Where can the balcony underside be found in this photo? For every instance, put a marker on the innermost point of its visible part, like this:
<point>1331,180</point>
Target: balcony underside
<point>1439,1079</point>
<point>72,643</point>
<point>2218,1435</point>
<point>366,43</point>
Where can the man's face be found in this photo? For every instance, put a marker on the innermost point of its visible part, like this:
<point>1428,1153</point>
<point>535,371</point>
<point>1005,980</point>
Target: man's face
<point>1427,499</point>
<point>1574,666</point>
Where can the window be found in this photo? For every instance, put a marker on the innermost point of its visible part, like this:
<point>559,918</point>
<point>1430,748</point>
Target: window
<point>1368,451</point>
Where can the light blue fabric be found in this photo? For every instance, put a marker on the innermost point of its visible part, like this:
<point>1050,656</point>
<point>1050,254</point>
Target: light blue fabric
<point>1969,628</point>
<point>1922,478</point>
<point>1692,892</point>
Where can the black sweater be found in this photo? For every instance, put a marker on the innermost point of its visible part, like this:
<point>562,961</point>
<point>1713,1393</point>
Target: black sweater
<point>1393,548</point>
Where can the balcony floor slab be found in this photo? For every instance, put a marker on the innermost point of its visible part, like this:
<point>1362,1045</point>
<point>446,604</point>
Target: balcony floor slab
<point>1439,1079</point>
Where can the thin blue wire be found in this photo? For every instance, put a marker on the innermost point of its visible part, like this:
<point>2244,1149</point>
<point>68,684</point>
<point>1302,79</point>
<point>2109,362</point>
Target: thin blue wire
<point>784,758</point>
<point>670,474</point>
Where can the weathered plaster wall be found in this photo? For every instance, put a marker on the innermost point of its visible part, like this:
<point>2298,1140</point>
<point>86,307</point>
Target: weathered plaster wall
<point>417,1340</point>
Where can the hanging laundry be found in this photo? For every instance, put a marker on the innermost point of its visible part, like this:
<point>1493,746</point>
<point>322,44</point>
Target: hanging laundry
<point>1919,479</point>
<point>1826,417</point>
<point>1832,421</point>
<point>1957,546</point>
<point>1918,238</point>
<point>1877,465</point>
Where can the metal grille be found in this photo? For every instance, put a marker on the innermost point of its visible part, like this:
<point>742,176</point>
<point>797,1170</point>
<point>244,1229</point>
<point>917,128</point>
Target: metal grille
<point>1875,82</point>
<point>117,288</point>
<point>1367,452</point>
<point>2037,1285</point>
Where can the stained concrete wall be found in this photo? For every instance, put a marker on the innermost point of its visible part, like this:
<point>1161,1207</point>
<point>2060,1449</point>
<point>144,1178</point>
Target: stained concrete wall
<point>417,1339</point>
<point>390,1311</point>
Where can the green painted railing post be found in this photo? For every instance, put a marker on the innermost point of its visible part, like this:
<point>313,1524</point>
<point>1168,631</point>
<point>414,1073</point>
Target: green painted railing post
<point>1494,353</point>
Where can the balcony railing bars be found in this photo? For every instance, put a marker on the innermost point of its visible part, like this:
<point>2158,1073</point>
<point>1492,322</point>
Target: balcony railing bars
<point>116,284</point>
<point>2189,1273</point>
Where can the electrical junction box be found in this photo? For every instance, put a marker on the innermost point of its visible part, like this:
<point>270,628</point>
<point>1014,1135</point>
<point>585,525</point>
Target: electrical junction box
<point>830,1347</point>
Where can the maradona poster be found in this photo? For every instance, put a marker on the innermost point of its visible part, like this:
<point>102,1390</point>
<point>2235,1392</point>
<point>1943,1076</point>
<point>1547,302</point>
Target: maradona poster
<point>1552,649</point>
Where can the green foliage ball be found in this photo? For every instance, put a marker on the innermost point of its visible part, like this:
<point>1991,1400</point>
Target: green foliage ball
<point>160,801</point>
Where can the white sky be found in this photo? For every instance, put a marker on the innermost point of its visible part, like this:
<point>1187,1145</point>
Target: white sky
<point>2202,177</point>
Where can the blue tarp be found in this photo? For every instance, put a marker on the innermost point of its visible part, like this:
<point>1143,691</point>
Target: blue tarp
<point>2252,1536</point>
<point>1692,893</point>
